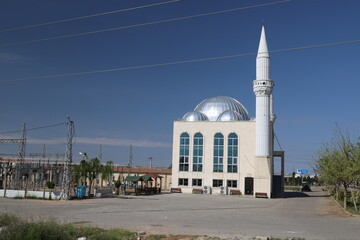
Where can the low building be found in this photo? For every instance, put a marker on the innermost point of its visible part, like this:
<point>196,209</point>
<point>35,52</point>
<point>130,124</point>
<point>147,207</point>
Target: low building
<point>161,177</point>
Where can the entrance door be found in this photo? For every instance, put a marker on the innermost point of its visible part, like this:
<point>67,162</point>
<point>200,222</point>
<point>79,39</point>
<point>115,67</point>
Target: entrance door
<point>249,186</point>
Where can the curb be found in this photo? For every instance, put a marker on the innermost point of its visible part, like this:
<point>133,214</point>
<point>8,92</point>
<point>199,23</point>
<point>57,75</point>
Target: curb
<point>342,208</point>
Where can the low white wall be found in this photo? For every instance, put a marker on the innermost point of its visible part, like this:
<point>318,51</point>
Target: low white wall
<point>21,193</point>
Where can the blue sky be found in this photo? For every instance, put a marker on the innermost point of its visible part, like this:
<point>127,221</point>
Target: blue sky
<point>314,88</point>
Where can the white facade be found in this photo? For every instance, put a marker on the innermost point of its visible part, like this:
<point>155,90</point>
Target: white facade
<point>217,146</point>
<point>245,131</point>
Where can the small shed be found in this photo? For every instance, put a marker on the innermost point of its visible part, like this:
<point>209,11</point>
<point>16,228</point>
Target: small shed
<point>155,177</point>
<point>133,179</point>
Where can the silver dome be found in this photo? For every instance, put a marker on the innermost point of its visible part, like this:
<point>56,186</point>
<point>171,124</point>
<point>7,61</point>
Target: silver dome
<point>195,117</point>
<point>213,107</point>
<point>229,115</point>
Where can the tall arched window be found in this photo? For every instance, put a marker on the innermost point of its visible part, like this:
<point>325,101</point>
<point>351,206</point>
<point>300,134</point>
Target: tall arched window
<point>232,164</point>
<point>198,152</point>
<point>218,152</point>
<point>184,152</point>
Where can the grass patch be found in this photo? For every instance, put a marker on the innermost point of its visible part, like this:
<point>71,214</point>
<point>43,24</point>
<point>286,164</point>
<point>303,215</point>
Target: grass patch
<point>19,229</point>
<point>286,238</point>
<point>29,197</point>
<point>292,188</point>
<point>16,228</point>
<point>7,219</point>
<point>113,234</point>
<point>339,197</point>
<point>155,237</point>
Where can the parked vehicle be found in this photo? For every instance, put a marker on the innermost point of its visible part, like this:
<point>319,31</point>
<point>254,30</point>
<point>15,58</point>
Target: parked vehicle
<point>305,187</point>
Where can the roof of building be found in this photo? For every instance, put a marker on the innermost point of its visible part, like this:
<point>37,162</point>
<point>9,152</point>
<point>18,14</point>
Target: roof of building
<point>195,117</point>
<point>146,171</point>
<point>213,107</point>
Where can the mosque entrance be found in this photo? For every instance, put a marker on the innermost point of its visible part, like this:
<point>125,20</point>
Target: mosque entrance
<point>249,186</point>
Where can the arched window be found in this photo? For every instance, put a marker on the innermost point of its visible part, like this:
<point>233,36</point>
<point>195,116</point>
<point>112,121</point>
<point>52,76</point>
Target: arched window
<point>198,152</point>
<point>184,152</point>
<point>232,163</point>
<point>218,152</point>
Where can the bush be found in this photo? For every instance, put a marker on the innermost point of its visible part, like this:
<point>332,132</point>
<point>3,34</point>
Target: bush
<point>292,188</point>
<point>38,231</point>
<point>50,184</point>
<point>19,229</point>
<point>113,234</point>
<point>8,219</point>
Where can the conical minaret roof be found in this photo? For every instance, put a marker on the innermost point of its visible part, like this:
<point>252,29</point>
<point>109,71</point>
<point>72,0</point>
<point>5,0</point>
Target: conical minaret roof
<point>263,49</point>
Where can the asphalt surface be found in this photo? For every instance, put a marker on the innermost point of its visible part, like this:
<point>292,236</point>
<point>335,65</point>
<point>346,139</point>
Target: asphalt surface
<point>310,215</point>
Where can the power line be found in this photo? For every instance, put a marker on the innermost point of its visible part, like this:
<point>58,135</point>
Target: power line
<point>173,63</point>
<point>141,24</point>
<point>85,17</point>
<point>35,128</point>
<point>277,140</point>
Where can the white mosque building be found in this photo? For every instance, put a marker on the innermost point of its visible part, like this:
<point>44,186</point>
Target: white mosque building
<point>219,149</point>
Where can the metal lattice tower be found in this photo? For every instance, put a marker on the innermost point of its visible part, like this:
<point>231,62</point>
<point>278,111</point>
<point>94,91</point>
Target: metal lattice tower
<point>21,158</point>
<point>130,157</point>
<point>68,161</point>
<point>100,154</point>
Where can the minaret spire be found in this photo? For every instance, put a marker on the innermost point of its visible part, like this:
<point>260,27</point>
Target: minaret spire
<point>263,89</point>
<point>263,49</point>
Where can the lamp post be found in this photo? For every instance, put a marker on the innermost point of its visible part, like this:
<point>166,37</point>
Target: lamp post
<point>85,156</point>
<point>150,159</point>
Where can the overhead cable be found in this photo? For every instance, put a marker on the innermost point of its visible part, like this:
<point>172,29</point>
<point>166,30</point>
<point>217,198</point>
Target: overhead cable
<point>140,24</point>
<point>277,140</point>
<point>35,128</point>
<point>88,16</point>
<point>172,63</point>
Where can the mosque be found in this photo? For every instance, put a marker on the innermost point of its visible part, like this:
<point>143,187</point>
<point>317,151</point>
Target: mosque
<point>219,149</point>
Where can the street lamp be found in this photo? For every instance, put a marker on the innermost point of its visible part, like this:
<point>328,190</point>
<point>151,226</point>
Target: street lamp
<point>84,154</point>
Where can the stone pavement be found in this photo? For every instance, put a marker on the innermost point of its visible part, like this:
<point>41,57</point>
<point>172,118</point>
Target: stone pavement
<point>305,215</point>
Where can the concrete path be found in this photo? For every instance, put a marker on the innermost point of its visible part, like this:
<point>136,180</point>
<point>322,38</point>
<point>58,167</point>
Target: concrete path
<point>311,216</point>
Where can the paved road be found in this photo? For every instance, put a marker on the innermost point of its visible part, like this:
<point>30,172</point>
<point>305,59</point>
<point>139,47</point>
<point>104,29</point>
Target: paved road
<point>311,216</point>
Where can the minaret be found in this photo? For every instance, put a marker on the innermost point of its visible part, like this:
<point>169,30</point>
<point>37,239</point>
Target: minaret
<point>263,90</point>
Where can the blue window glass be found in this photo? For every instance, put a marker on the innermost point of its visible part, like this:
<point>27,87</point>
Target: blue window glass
<point>218,153</point>
<point>184,152</point>
<point>232,163</point>
<point>198,152</point>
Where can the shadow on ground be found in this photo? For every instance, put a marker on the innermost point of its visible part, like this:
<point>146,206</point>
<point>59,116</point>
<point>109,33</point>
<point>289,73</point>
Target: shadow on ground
<point>302,195</point>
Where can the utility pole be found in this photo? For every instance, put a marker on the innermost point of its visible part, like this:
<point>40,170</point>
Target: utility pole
<point>150,159</point>
<point>44,151</point>
<point>68,161</point>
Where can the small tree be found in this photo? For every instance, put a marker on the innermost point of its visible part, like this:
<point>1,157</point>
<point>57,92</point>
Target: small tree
<point>117,185</point>
<point>107,171</point>
<point>51,186</point>
<point>93,170</point>
<point>339,162</point>
<point>355,198</point>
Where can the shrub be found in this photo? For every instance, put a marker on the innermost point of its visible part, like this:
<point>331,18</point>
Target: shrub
<point>18,229</point>
<point>50,184</point>
<point>113,234</point>
<point>38,231</point>
<point>8,219</point>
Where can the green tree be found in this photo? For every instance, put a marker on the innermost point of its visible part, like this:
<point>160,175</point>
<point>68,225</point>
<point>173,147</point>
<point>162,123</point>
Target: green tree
<point>80,172</point>
<point>107,171</point>
<point>51,186</point>
<point>117,185</point>
<point>93,169</point>
<point>338,162</point>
